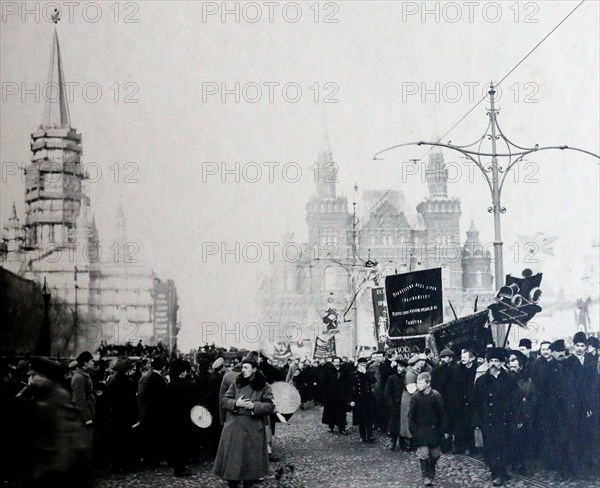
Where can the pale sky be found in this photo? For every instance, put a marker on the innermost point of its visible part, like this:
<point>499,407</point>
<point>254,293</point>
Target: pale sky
<point>370,63</point>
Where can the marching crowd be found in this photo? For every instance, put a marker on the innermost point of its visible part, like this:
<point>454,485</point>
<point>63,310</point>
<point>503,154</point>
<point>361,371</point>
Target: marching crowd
<point>522,407</point>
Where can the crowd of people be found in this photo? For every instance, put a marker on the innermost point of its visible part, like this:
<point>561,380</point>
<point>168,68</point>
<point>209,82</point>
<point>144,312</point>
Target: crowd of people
<point>522,407</point>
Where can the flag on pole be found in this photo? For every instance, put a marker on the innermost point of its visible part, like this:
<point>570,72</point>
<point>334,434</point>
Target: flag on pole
<point>324,348</point>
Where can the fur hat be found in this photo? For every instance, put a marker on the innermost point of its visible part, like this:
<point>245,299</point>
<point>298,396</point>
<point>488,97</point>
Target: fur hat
<point>251,358</point>
<point>495,353</point>
<point>525,343</point>
<point>84,357</point>
<point>401,362</point>
<point>579,337</point>
<point>594,342</point>
<point>519,355</point>
<point>179,366</point>
<point>122,365</point>
<point>558,345</point>
<point>362,360</point>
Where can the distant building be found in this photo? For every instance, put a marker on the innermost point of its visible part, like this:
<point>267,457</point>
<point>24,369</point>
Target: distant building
<point>110,294</point>
<point>298,292</point>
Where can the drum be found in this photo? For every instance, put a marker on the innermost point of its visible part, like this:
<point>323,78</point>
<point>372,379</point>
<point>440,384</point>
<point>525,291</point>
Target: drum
<point>285,397</point>
<point>201,416</point>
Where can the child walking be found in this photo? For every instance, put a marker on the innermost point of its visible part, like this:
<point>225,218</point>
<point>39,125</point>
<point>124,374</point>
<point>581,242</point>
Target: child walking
<point>428,426</point>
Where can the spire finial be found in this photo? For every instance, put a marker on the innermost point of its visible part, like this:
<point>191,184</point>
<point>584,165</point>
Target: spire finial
<point>56,110</point>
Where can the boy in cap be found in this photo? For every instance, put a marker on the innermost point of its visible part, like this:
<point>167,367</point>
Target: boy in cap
<point>428,426</point>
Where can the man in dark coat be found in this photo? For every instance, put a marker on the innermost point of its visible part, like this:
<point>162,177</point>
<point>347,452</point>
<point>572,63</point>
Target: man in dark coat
<point>182,395</point>
<point>336,391</point>
<point>120,392</point>
<point>362,401</point>
<point>211,400</point>
<point>152,408</point>
<point>460,402</point>
<point>394,388</point>
<point>385,371</point>
<point>581,403</point>
<point>428,425</point>
<point>441,381</point>
<point>521,426</point>
<point>494,398</point>
<point>551,382</point>
<point>59,448</point>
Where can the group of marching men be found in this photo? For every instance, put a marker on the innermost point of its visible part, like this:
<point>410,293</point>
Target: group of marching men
<point>525,407</point>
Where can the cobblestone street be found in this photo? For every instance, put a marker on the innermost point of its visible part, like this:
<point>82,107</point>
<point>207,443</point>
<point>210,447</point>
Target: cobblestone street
<point>327,460</point>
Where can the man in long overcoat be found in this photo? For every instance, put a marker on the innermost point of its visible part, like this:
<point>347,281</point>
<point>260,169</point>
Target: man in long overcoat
<point>460,402</point>
<point>441,381</point>
<point>494,398</point>
<point>336,393</point>
<point>394,388</point>
<point>582,406</point>
<point>363,402</point>
<point>182,395</point>
<point>242,453</point>
<point>123,414</point>
<point>153,409</point>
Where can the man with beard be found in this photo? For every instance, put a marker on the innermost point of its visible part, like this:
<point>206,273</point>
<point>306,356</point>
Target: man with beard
<point>580,395</point>
<point>336,392</point>
<point>441,381</point>
<point>462,384</point>
<point>494,400</point>
<point>393,397</point>
<point>530,356</point>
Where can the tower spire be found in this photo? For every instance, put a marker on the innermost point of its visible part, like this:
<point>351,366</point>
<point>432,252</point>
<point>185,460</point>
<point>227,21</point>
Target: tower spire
<point>327,168</point>
<point>56,109</point>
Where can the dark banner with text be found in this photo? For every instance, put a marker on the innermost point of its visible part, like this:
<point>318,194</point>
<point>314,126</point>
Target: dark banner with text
<point>470,332</point>
<point>380,317</point>
<point>414,302</point>
<point>407,346</point>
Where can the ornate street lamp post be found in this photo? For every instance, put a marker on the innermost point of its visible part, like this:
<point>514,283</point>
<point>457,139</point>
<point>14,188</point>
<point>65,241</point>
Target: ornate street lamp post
<point>494,174</point>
